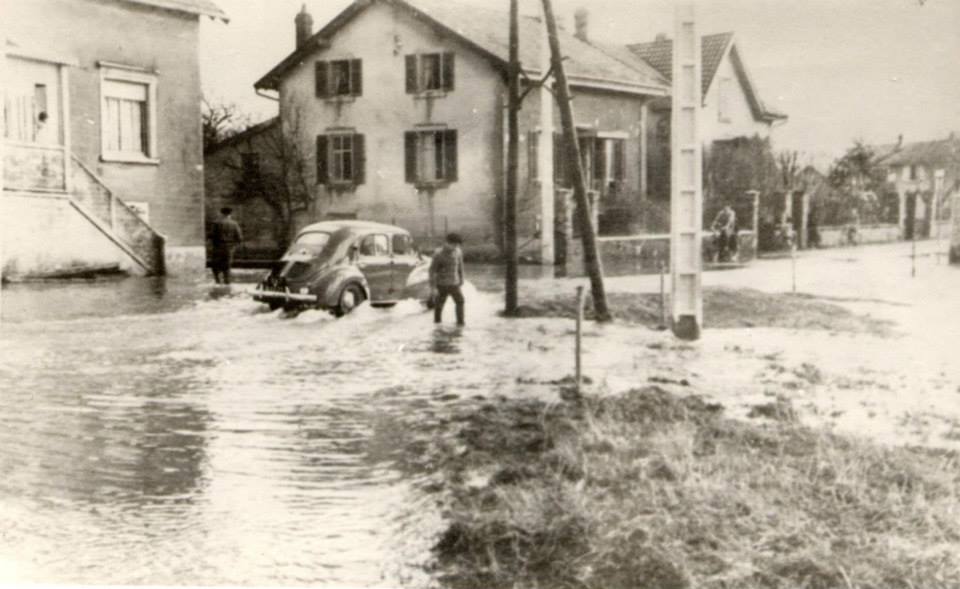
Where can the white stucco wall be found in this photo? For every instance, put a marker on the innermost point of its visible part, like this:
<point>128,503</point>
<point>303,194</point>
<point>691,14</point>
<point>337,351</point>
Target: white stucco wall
<point>741,122</point>
<point>381,37</point>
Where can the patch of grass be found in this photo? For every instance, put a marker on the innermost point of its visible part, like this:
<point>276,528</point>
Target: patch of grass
<point>728,308</point>
<point>649,489</point>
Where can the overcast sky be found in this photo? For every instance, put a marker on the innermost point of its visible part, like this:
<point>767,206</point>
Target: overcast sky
<point>842,69</point>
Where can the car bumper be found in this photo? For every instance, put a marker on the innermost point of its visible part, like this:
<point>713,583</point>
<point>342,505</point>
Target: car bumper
<point>276,296</point>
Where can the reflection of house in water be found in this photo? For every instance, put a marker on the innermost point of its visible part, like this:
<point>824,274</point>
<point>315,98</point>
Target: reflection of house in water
<point>101,141</point>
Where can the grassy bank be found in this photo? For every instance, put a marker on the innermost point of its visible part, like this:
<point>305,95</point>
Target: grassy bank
<point>727,308</point>
<point>648,489</point>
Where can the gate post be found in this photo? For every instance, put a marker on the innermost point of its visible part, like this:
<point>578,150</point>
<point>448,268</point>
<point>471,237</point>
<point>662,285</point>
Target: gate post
<point>686,198</point>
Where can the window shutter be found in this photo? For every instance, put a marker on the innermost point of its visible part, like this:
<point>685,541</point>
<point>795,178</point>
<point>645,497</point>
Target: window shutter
<point>411,62</point>
<point>619,160</point>
<point>410,156</point>
<point>356,77</point>
<point>450,147</point>
<point>359,159</point>
<point>322,78</point>
<point>322,174</point>
<point>599,162</point>
<point>559,157</point>
<point>448,71</point>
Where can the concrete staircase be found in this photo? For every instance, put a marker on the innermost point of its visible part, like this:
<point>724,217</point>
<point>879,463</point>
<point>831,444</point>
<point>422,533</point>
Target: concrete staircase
<point>93,199</point>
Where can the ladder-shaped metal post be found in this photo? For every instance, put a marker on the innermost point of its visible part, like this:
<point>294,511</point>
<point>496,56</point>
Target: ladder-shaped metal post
<point>686,198</point>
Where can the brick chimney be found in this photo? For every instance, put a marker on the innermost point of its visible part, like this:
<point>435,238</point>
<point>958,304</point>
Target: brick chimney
<point>581,19</point>
<point>304,25</point>
<point>661,37</point>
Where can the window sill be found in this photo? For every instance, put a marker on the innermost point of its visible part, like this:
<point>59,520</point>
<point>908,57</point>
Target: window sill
<point>432,185</point>
<point>341,98</point>
<point>431,94</point>
<point>339,185</point>
<point>123,158</point>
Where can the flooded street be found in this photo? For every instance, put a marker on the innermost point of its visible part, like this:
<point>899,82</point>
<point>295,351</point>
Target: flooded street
<point>151,433</point>
<point>166,440</point>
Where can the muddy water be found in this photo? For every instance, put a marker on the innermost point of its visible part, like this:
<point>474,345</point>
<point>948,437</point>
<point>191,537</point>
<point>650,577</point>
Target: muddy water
<point>163,436</point>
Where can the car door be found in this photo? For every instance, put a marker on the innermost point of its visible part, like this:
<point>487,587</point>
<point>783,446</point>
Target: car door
<point>375,263</point>
<point>404,260</point>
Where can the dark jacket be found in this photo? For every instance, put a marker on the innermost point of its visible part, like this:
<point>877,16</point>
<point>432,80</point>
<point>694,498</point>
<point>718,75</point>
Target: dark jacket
<point>225,234</point>
<point>446,267</point>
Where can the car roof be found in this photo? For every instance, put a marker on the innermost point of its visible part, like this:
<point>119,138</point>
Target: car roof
<point>354,224</point>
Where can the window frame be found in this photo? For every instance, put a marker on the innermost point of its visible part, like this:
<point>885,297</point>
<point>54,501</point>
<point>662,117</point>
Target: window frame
<point>446,73</point>
<point>124,74</point>
<point>372,237</point>
<point>325,173</point>
<point>449,160</point>
<point>352,72</point>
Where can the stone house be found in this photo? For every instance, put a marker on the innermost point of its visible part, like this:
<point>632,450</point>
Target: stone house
<point>102,151</point>
<point>926,176</point>
<point>400,107</point>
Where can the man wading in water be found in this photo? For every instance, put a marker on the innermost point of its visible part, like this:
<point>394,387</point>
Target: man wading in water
<point>446,277</point>
<point>226,236</point>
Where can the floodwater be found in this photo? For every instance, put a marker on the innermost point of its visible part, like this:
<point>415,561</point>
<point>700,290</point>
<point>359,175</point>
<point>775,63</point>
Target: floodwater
<point>151,433</point>
<point>154,432</point>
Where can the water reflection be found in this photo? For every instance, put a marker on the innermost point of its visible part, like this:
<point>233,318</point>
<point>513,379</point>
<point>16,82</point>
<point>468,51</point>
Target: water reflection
<point>446,340</point>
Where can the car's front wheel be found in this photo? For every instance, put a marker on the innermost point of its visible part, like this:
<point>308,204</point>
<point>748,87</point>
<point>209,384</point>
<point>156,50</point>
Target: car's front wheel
<point>350,298</point>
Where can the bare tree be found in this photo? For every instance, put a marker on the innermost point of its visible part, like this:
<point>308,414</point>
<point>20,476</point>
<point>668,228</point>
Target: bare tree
<point>220,122</point>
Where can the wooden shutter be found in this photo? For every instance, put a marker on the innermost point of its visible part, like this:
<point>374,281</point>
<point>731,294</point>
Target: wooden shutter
<point>599,162</point>
<point>359,159</point>
<point>322,86</point>
<point>619,160</point>
<point>322,172</point>
<point>447,61</point>
<point>410,156</point>
<point>560,174</point>
<point>356,77</point>
<point>450,151</point>
<point>411,63</point>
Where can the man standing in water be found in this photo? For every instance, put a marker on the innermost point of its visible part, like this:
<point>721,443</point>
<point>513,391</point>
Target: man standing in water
<point>226,236</point>
<point>446,277</point>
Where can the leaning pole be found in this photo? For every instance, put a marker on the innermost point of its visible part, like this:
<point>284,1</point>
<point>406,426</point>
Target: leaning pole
<point>686,183</point>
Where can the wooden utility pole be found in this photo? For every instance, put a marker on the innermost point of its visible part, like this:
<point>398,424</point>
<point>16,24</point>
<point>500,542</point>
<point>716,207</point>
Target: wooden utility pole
<point>591,258</point>
<point>513,156</point>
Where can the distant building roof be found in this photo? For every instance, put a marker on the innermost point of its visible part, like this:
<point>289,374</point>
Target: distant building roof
<point>198,7</point>
<point>939,152</point>
<point>659,54</point>
<point>486,31</point>
<point>247,133</point>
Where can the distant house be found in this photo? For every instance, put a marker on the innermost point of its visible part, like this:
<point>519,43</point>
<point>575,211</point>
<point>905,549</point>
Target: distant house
<point>731,103</point>
<point>246,173</point>
<point>102,155</point>
<point>926,175</point>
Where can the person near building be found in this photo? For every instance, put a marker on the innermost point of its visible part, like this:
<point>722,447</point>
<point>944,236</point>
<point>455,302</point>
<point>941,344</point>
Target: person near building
<point>225,236</point>
<point>446,278</point>
<point>725,233</point>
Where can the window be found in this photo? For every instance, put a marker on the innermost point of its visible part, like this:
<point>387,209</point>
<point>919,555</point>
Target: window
<point>723,100</point>
<point>128,115</point>
<point>430,72</point>
<point>402,245</point>
<point>603,160</point>
<point>375,245</point>
<point>431,156</point>
<point>339,78</point>
<point>340,159</point>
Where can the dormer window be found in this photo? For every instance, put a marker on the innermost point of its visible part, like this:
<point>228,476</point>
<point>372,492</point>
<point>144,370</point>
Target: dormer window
<point>339,78</point>
<point>430,72</point>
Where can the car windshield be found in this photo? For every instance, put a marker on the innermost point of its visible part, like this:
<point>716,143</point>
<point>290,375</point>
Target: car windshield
<point>310,244</point>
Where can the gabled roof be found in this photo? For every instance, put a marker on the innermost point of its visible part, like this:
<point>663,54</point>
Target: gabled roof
<point>940,152</point>
<point>659,54</point>
<point>486,31</point>
<point>247,133</point>
<point>198,7</point>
